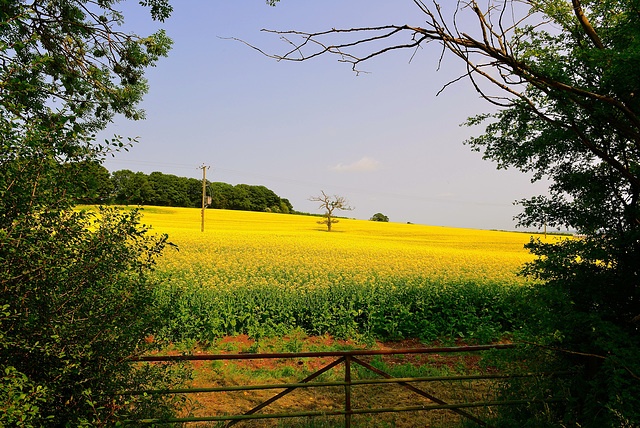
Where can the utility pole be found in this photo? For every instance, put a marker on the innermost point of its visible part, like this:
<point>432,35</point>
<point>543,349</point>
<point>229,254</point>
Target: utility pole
<point>204,193</point>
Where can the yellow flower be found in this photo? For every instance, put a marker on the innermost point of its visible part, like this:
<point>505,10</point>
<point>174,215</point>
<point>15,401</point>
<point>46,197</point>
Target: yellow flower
<point>246,249</point>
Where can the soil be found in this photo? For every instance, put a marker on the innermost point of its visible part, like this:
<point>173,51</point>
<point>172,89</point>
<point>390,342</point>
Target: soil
<point>272,371</point>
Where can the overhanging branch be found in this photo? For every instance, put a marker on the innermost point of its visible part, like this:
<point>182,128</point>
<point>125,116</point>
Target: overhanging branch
<point>496,48</point>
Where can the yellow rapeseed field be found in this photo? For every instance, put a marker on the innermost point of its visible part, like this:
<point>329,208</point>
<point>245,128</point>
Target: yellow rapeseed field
<point>246,248</point>
<point>267,274</point>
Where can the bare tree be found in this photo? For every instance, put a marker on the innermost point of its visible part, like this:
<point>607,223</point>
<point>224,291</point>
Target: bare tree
<point>330,204</point>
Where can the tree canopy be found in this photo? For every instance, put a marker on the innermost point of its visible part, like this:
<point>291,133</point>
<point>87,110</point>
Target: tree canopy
<point>379,217</point>
<point>170,190</point>
<point>65,71</point>
<point>76,299</point>
<point>563,78</point>
<point>248,198</point>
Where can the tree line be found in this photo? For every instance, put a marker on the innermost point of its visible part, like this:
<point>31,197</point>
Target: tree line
<point>124,187</point>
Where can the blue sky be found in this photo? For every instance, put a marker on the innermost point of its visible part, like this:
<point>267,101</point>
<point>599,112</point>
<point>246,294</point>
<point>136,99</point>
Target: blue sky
<point>383,139</point>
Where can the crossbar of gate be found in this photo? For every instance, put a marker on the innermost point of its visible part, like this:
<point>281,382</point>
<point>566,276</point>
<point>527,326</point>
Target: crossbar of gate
<point>346,358</point>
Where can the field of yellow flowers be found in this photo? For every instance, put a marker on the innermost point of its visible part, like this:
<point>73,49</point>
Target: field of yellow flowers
<point>267,274</point>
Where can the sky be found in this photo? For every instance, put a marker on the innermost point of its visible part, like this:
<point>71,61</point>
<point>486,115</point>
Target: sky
<point>384,139</point>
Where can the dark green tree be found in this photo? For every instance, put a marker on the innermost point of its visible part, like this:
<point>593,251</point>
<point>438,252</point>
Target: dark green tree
<point>565,77</point>
<point>194,191</point>
<point>92,182</point>
<point>75,296</point>
<point>379,217</point>
<point>222,194</point>
<point>285,206</point>
<point>247,198</point>
<point>241,198</point>
<point>168,190</point>
<point>264,199</point>
<point>131,188</point>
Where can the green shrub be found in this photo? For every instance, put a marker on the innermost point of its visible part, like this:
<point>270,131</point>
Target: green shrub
<point>79,304</point>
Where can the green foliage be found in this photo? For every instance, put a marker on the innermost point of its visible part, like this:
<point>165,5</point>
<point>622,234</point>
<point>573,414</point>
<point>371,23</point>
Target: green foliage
<point>130,187</point>
<point>173,191</point>
<point>79,304</point>
<point>247,198</point>
<point>408,308</point>
<point>90,182</point>
<point>76,298</point>
<point>20,398</point>
<point>576,124</point>
<point>170,190</point>
<point>379,217</point>
<point>70,53</point>
<point>543,386</point>
<point>590,293</point>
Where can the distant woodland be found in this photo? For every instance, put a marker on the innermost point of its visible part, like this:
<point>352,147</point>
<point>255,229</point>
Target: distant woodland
<point>126,187</point>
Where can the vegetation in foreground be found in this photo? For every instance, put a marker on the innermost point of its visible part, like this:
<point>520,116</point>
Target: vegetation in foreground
<point>570,114</point>
<point>75,292</point>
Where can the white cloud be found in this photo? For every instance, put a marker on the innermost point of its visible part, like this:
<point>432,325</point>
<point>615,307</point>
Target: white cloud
<point>364,164</point>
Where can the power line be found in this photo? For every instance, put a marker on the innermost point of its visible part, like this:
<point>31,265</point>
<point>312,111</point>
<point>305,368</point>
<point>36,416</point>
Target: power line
<point>308,184</point>
<point>151,163</point>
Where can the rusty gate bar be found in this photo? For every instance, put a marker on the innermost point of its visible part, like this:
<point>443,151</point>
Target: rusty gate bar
<point>240,418</point>
<point>305,384</point>
<point>355,352</point>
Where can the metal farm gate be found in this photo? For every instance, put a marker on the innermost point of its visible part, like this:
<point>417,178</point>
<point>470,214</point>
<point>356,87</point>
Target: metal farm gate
<point>348,359</point>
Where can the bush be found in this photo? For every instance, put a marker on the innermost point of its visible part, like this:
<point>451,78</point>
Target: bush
<point>79,304</point>
<point>76,299</point>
